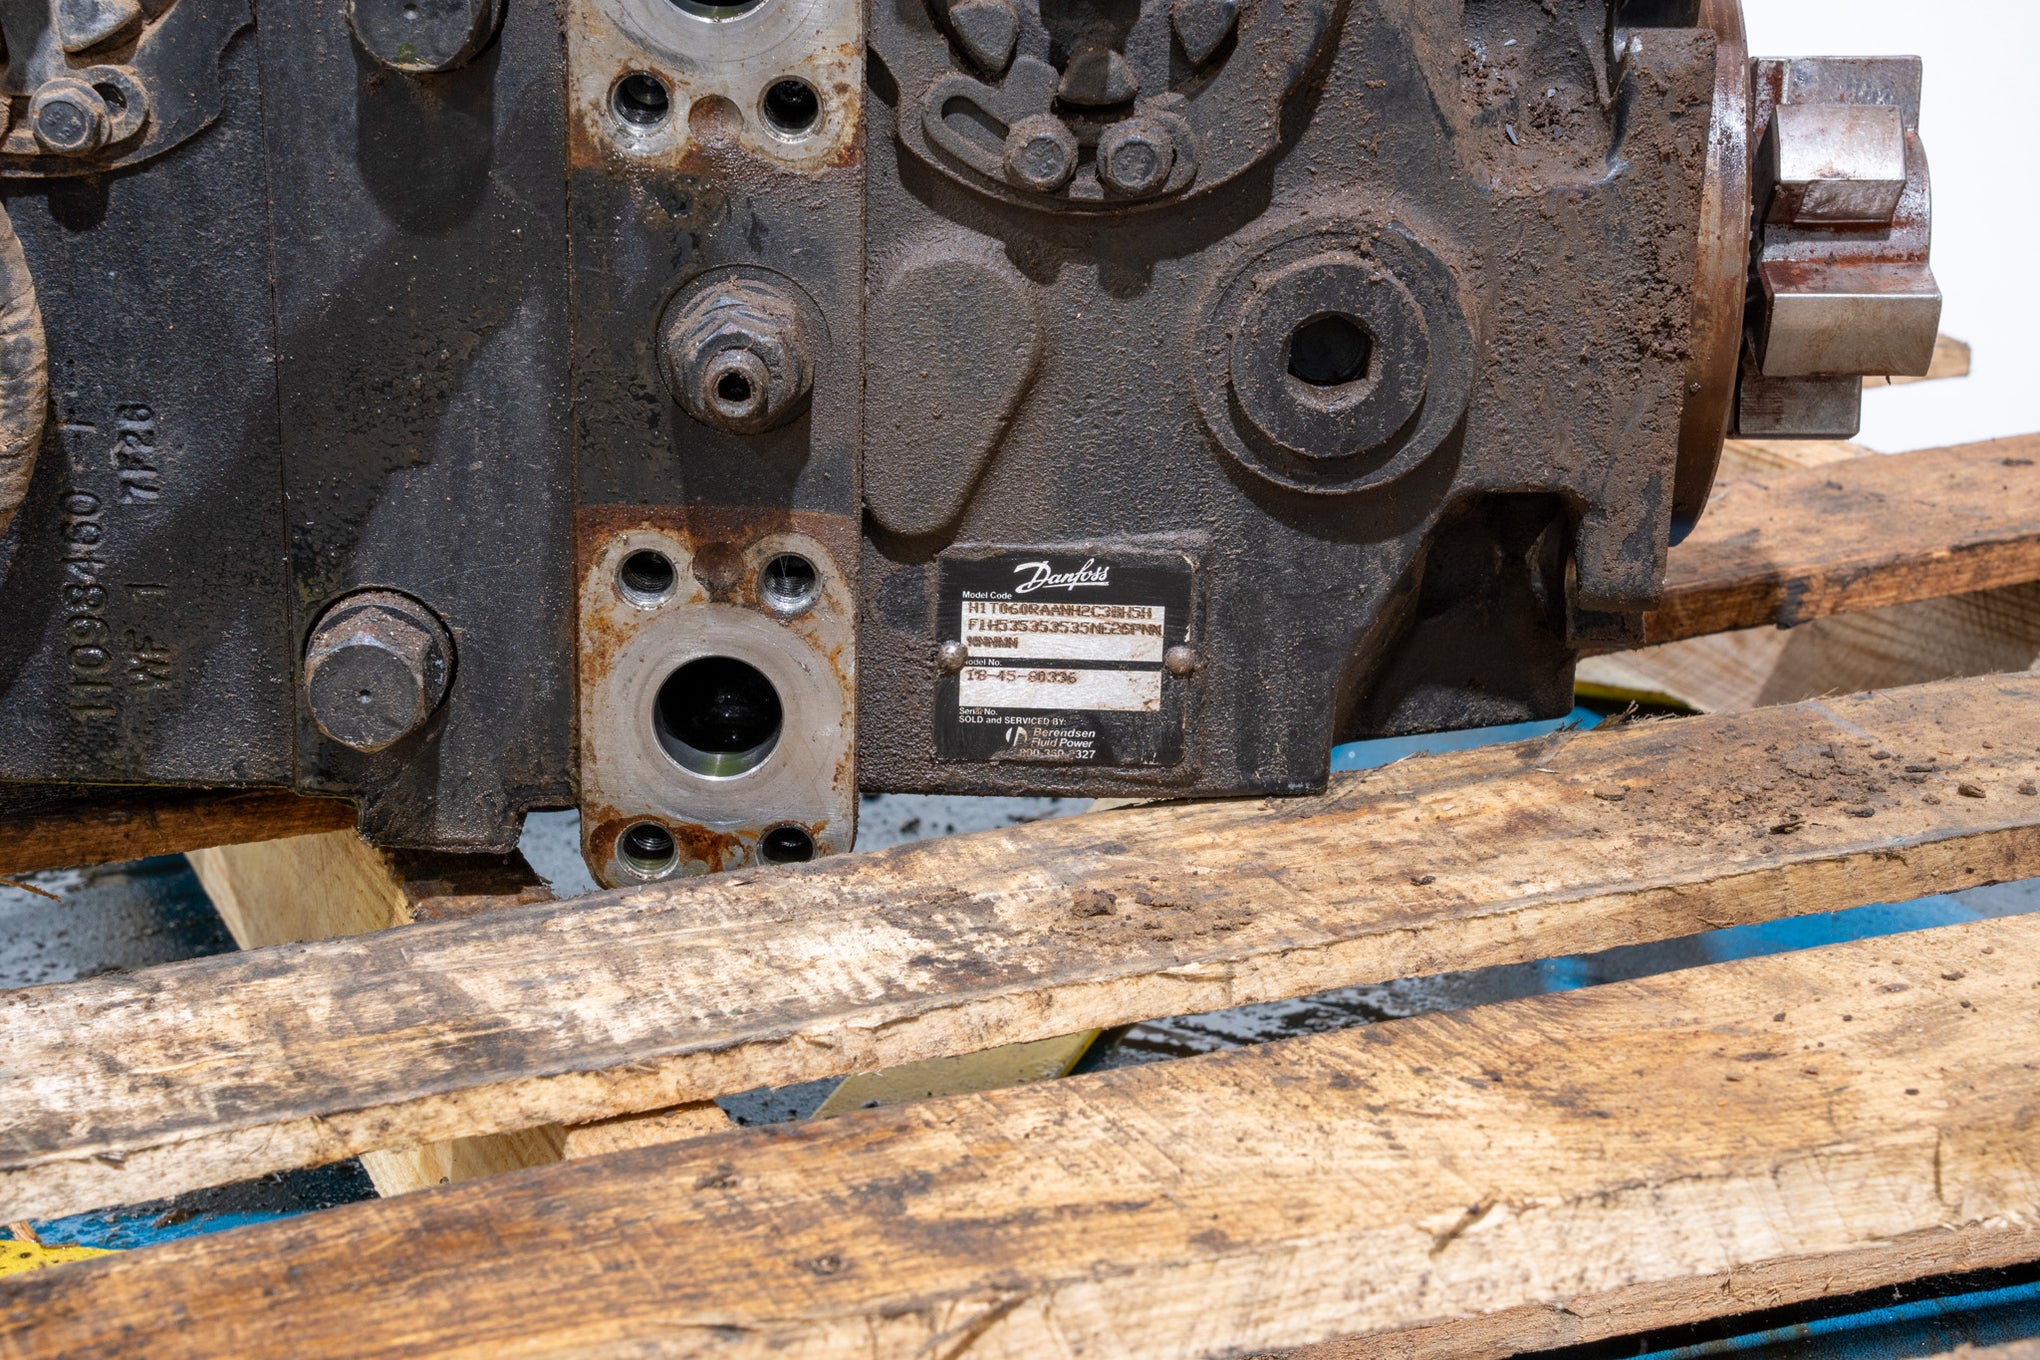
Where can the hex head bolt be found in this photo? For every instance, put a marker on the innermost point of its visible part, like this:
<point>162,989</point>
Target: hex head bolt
<point>737,356</point>
<point>1041,153</point>
<point>376,668</point>
<point>69,117</point>
<point>1135,157</point>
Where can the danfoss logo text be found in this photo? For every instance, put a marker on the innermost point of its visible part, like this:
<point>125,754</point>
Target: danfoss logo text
<point>1042,576</point>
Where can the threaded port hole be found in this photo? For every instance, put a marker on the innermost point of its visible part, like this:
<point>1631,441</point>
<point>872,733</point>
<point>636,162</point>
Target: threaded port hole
<point>733,388</point>
<point>717,716</point>
<point>646,577</point>
<point>642,100</point>
<point>1329,351</point>
<point>786,845</point>
<point>789,584</point>
<point>648,850</point>
<point>791,107</point>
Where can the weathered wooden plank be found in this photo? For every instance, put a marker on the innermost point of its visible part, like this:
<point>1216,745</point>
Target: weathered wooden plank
<point>1855,535</point>
<point>1982,633</point>
<point>129,1086</point>
<point>61,832</point>
<point>1829,1120</point>
<point>334,883</point>
<point>1989,632</point>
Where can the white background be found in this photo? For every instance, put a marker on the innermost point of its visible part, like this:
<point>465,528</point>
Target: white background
<point>1980,119</point>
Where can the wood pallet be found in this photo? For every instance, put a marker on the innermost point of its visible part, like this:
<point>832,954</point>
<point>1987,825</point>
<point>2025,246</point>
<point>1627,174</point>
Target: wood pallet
<point>1477,1183</point>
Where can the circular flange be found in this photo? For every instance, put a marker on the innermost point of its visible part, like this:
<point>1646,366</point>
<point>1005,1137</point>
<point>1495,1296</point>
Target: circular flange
<point>1411,360</point>
<point>1722,272</point>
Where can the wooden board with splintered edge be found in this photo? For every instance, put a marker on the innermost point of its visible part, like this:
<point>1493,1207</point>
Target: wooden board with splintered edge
<point>1856,535</point>
<point>139,1085</point>
<point>318,887</point>
<point>1474,1183</point>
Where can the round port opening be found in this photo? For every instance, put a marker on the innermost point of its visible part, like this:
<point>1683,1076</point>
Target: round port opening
<point>786,845</point>
<point>1329,351</point>
<point>717,13</point>
<point>789,584</point>
<point>641,100</point>
<point>646,577</point>
<point>718,716</point>
<point>733,388</point>
<point>647,850</point>
<point>791,107</point>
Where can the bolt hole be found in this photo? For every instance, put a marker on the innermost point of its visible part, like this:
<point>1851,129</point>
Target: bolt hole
<point>789,583</point>
<point>791,107</point>
<point>786,845</point>
<point>718,717</point>
<point>641,100</point>
<point>1329,351</point>
<point>733,388</point>
<point>114,96</point>
<point>648,850</point>
<point>411,13</point>
<point>646,577</point>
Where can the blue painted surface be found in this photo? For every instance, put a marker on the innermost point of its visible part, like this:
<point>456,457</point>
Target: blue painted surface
<point>1372,755</point>
<point>1924,1327</point>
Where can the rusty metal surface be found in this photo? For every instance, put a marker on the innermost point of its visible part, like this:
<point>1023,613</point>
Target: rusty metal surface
<point>1721,271</point>
<point>1424,154</point>
<point>712,599</point>
<point>763,401</point>
<point>1841,287</point>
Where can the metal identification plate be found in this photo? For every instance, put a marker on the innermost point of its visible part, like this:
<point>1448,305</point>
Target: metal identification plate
<point>1063,658</point>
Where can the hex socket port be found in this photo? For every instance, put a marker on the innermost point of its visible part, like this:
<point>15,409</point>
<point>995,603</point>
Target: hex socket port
<point>737,355</point>
<point>377,666</point>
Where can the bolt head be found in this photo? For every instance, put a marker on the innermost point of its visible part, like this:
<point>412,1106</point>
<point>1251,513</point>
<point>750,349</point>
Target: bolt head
<point>376,668</point>
<point>1135,157</point>
<point>1180,660</point>
<point>736,356</point>
<point>68,117</point>
<point>951,657</point>
<point>1041,153</point>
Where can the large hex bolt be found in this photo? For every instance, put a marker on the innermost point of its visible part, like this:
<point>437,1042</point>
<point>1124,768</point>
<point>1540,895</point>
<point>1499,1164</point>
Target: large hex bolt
<point>69,117</point>
<point>419,37</point>
<point>376,668</point>
<point>736,355</point>
<point>1041,153</point>
<point>1135,157</point>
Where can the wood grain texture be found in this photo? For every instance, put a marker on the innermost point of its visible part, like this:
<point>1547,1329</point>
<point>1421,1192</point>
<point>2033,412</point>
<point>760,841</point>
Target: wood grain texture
<point>1989,632</point>
<point>1858,534</point>
<point>644,1130</point>
<point>332,884</point>
<point>139,1085</point>
<point>1982,633</point>
<point>64,832</point>
<point>1448,1185</point>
